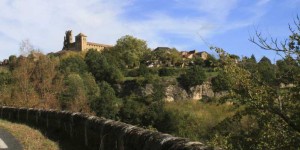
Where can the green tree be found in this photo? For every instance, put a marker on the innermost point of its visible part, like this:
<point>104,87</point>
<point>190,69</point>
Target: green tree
<point>249,64</point>
<point>107,104</point>
<point>101,69</point>
<point>73,64</point>
<point>74,91</point>
<point>221,82</point>
<point>210,61</point>
<point>253,59</point>
<point>164,56</point>
<point>130,50</point>
<point>288,70</point>
<point>267,71</point>
<point>147,111</point>
<point>270,115</point>
<point>12,62</point>
<point>5,78</point>
<point>194,76</point>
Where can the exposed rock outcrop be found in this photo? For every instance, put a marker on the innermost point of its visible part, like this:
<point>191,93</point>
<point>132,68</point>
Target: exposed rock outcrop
<point>173,92</point>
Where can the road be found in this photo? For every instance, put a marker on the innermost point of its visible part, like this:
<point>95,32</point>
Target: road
<point>8,141</point>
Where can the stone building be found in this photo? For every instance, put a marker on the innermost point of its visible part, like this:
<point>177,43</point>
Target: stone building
<point>81,43</point>
<point>193,54</point>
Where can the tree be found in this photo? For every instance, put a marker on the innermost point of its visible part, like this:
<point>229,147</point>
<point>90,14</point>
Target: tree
<point>221,82</point>
<point>194,76</point>
<point>23,91</point>
<point>165,56</point>
<point>288,70</point>
<point>12,62</point>
<point>5,84</point>
<point>74,96</point>
<point>210,61</point>
<point>270,115</point>
<point>267,71</point>
<point>101,69</point>
<point>73,64</point>
<point>107,104</point>
<point>147,111</point>
<point>42,78</point>
<point>130,50</point>
<point>253,59</point>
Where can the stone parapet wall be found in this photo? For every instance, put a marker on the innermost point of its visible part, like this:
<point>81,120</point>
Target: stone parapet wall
<point>96,133</point>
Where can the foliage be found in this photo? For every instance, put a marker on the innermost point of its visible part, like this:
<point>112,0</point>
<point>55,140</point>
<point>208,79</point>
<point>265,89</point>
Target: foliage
<point>210,61</point>
<point>73,64</point>
<point>221,82</point>
<point>101,69</point>
<point>5,78</point>
<point>45,80</point>
<point>288,70</point>
<point>249,64</point>
<point>267,71</point>
<point>12,61</point>
<point>194,76</point>
<point>199,61</point>
<point>273,111</point>
<point>106,104</point>
<point>74,93</point>
<point>145,111</point>
<point>194,120</point>
<point>163,56</point>
<point>130,50</point>
<point>167,71</point>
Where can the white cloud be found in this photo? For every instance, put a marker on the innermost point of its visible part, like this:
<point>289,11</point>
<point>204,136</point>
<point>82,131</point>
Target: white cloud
<point>44,22</point>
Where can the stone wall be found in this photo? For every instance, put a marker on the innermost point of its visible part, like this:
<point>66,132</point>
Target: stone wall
<point>97,133</point>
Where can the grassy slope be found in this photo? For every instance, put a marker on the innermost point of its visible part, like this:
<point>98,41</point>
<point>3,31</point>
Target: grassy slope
<point>31,139</point>
<point>196,119</point>
<point>3,69</point>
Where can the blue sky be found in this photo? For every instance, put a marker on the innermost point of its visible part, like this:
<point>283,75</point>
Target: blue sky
<point>183,24</point>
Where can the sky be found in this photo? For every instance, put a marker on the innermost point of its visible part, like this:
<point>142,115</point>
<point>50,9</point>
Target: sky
<point>182,24</point>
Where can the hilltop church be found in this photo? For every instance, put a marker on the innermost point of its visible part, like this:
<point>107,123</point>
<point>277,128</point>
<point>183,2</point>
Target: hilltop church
<point>81,43</point>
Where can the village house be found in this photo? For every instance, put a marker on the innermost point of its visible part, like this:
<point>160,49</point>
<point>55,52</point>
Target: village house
<point>194,54</point>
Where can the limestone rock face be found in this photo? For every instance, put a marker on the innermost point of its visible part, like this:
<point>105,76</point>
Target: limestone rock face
<point>207,90</point>
<point>146,90</point>
<point>175,93</point>
<point>196,92</point>
<point>200,91</point>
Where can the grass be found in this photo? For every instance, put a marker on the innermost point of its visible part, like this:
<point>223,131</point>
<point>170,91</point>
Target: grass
<point>195,120</point>
<point>3,69</point>
<point>31,139</point>
<point>212,74</point>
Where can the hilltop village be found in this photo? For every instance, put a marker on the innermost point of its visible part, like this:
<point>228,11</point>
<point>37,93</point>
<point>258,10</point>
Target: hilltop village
<point>81,44</point>
<point>162,89</point>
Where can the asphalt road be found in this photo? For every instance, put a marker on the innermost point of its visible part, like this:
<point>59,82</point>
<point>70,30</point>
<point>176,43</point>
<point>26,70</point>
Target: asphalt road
<point>8,141</point>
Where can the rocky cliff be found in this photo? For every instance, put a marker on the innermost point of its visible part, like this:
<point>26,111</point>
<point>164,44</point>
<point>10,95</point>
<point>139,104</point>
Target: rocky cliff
<point>173,91</point>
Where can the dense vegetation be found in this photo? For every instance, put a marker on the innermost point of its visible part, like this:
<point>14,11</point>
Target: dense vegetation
<point>260,111</point>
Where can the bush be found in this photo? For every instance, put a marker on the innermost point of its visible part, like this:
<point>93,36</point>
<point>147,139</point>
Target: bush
<point>194,76</point>
<point>143,70</point>
<point>220,83</point>
<point>167,72</point>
